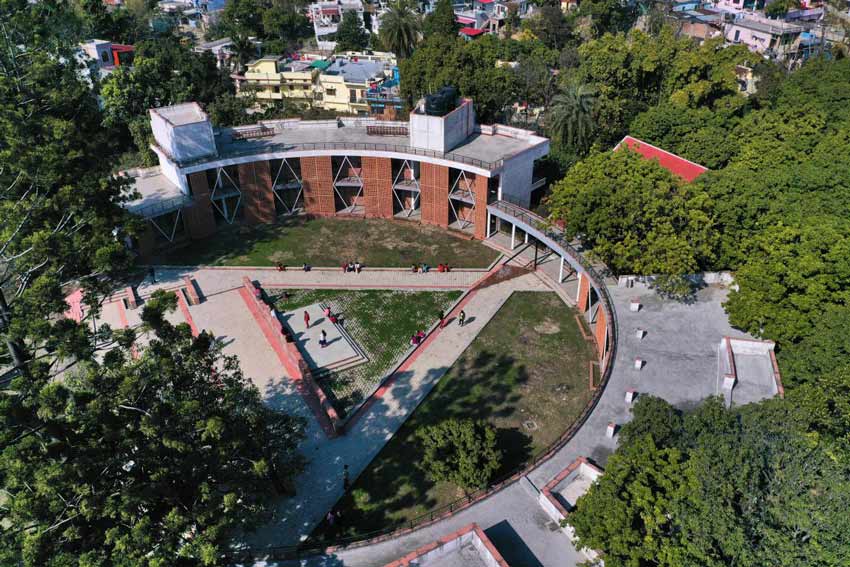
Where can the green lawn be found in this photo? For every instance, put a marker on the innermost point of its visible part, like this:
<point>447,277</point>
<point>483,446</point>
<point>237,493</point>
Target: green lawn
<point>331,242</point>
<point>381,322</point>
<point>526,373</point>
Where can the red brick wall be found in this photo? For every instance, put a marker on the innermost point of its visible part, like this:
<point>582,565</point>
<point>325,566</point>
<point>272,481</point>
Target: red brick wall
<point>317,180</point>
<point>378,186</point>
<point>199,218</point>
<point>434,200</point>
<point>601,332</point>
<point>583,294</point>
<point>479,187</point>
<point>255,182</point>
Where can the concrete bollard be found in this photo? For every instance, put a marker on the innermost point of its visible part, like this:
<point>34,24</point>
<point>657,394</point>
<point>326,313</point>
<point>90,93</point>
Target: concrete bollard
<point>640,333</point>
<point>638,363</point>
<point>630,395</point>
<point>634,305</point>
<point>611,430</point>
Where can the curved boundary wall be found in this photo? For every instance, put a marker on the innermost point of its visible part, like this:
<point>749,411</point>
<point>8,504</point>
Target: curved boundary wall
<point>604,327</point>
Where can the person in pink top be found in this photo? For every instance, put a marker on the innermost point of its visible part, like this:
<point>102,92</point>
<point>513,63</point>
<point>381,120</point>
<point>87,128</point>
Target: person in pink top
<point>306,319</point>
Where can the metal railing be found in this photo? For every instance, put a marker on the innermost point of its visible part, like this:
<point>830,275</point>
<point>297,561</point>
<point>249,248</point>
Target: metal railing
<point>271,146</point>
<point>557,235</point>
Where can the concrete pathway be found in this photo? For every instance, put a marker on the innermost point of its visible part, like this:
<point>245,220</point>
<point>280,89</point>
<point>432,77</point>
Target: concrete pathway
<point>318,489</point>
<point>218,280</point>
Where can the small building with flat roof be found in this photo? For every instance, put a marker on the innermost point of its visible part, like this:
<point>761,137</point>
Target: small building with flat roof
<point>467,547</point>
<point>747,371</point>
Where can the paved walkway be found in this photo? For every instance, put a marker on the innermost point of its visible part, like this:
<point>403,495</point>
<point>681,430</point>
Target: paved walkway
<point>218,280</point>
<point>318,489</point>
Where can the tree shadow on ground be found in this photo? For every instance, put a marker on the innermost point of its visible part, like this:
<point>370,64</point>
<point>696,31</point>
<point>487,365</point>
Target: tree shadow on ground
<point>511,546</point>
<point>482,387</point>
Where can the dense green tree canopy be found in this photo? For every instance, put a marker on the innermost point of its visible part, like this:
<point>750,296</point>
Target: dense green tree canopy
<point>747,486</point>
<point>153,461</point>
<point>463,452</point>
<point>441,21</point>
<point>635,215</point>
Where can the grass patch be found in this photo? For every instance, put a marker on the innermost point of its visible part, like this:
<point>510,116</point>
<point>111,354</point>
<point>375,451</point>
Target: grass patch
<point>381,322</point>
<point>329,242</point>
<point>526,373</point>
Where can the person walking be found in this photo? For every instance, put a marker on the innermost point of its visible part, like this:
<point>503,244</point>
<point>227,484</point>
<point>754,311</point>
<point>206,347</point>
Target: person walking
<point>346,482</point>
<point>306,319</point>
<point>323,339</point>
<point>442,319</point>
<point>152,274</point>
<point>461,318</point>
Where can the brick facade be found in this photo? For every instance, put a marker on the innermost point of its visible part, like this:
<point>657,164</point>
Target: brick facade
<point>378,186</point>
<point>479,189</point>
<point>601,333</point>
<point>434,198</point>
<point>199,218</point>
<point>583,299</point>
<point>255,182</point>
<point>317,181</point>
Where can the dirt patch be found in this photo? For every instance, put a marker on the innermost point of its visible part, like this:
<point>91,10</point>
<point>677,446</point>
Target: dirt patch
<point>281,256</point>
<point>547,327</point>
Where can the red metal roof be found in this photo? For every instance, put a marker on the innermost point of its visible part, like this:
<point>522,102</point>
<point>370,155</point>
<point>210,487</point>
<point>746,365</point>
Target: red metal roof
<point>471,31</point>
<point>464,20</point>
<point>676,165</point>
<point>485,1</point>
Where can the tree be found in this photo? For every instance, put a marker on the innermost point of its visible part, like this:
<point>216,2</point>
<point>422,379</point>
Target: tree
<point>628,512</point>
<point>400,28</point>
<point>230,110</point>
<point>147,461</point>
<point>570,118</point>
<point>635,215</point>
<point>549,26</point>
<point>793,274</point>
<point>654,417</point>
<point>284,26</point>
<point>463,452</point>
<point>441,21</point>
<point>350,34</point>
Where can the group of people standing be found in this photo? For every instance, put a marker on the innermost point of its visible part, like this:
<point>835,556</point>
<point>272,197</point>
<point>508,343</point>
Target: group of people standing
<point>355,267</point>
<point>333,318</point>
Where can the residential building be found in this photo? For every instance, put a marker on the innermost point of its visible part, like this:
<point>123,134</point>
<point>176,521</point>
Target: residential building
<point>385,95</point>
<point>343,85</point>
<point>468,546</point>
<point>221,49</point>
<point>104,56</point>
<point>699,24</point>
<point>487,16</point>
<point>326,16</point>
<point>438,167</point>
<point>278,78</point>
<point>772,38</point>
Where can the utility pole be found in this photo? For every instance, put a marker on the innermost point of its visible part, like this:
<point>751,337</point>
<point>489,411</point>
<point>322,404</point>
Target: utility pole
<point>14,347</point>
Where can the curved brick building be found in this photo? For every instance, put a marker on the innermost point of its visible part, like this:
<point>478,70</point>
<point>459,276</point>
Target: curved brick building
<point>438,169</point>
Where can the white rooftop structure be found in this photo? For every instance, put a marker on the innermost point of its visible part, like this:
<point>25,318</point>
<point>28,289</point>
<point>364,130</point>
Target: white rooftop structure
<point>467,547</point>
<point>747,371</point>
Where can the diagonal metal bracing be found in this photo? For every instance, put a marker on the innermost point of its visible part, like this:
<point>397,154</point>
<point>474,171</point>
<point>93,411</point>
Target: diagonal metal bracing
<point>214,199</point>
<point>359,181</point>
<point>407,166</point>
<point>461,192</point>
<point>284,166</point>
<point>168,234</point>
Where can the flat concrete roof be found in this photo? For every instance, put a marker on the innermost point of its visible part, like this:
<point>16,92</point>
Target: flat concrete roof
<point>157,193</point>
<point>181,114</point>
<point>466,556</point>
<point>773,28</point>
<point>482,147</point>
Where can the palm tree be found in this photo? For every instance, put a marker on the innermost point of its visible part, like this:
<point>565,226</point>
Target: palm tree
<point>400,27</point>
<point>570,118</point>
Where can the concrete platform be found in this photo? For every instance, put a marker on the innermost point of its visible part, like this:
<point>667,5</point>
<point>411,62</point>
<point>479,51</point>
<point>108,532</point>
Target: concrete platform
<point>341,352</point>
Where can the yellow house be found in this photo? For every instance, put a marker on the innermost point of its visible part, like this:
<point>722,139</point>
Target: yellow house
<point>277,78</point>
<point>343,85</point>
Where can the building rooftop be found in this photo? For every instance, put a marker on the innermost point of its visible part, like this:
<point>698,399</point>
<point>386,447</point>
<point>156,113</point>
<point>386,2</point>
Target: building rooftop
<point>356,71</point>
<point>676,165</point>
<point>213,44</point>
<point>571,483</point>
<point>181,114</point>
<point>482,150</point>
<point>157,195</point>
<point>747,371</point>
<point>467,547</point>
<point>773,27</point>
